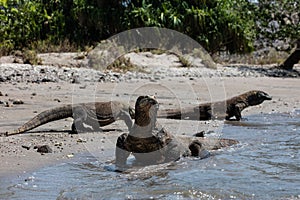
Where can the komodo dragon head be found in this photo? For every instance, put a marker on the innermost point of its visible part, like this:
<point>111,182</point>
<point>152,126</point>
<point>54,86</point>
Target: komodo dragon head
<point>257,97</point>
<point>146,108</point>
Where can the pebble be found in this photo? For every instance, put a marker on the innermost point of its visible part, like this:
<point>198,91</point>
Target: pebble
<point>80,140</point>
<point>8,104</point>
<point>30,178</point>
<point>58,100</point>
<point>58,144</point>
<point>26,147</point>
<point>29,73</point>
<point>17,101</point>
<point>83,86</point>
<point>70,156</point>
<point>43,148</point>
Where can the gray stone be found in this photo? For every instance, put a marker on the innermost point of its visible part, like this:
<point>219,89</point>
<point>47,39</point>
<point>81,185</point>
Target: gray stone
<point>43,148</point>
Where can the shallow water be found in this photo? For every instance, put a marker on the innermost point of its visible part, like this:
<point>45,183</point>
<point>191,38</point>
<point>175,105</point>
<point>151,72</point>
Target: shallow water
<point>265,165</point>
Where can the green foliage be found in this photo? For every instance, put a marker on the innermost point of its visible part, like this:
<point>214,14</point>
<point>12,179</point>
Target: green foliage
<point>153,13</point>
<point>279,19</point>
<point>20,22</point>
<point>122,64</point>
<point>24,22</point>
<point>216,24</point>
<point>219,25</point>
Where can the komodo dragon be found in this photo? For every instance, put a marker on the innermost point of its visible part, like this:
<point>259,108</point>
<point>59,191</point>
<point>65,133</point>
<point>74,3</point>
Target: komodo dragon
<point>218,110</point>
<point>152,145</point>
<point>94,114</point>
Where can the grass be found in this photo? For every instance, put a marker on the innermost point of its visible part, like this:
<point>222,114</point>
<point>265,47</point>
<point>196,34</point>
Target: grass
<point>29,54</point>
<point>44,46</point>
<point>122,64</point>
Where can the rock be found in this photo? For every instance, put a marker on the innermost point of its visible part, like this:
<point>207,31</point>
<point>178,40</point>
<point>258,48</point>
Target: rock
<point>17,101</point>
<point>2,79</point>
<point>26,146</point>
<point>75,80</point>
<point>80,140</point>
<point>58,144</point>
<point>8,104</point>
<point>42,71</point>
<point>43,148</point>
<point>200,134</point>
<point>70,156</point>
<point>83,86</point>
<point>30,178</point>
<point>45,80</point>
<point>57,100</point>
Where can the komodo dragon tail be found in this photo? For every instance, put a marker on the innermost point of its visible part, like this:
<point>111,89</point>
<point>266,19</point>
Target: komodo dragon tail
<point>43,118</point>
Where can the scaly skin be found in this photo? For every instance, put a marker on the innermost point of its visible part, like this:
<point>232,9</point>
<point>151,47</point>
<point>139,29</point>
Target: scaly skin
<point>152,145</point>
<point>94,114</point>
<point>218,110</point>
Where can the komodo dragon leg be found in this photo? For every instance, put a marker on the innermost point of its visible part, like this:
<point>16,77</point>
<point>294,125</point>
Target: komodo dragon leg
<point>237,111</point>
<point>83,116</point>
<point>121,151</point>
<point>80,116</point>
<point>126,117</point>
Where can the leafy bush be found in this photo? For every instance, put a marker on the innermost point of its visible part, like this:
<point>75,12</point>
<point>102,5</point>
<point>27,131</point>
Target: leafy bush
<point>20,22</point>
<point>219,25</point>
<point>216,24</point>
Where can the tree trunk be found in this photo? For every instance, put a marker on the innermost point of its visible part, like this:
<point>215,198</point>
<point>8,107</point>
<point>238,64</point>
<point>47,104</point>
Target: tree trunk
<point>293,59</point>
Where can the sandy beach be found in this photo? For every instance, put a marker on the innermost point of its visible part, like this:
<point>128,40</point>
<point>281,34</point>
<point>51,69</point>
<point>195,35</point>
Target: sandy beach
<point>17,160</point>
<point>27,90</point>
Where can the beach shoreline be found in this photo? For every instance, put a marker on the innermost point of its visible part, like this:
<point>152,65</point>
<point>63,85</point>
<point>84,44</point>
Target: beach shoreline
<point>26,90</point>
<point>37,97</point>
